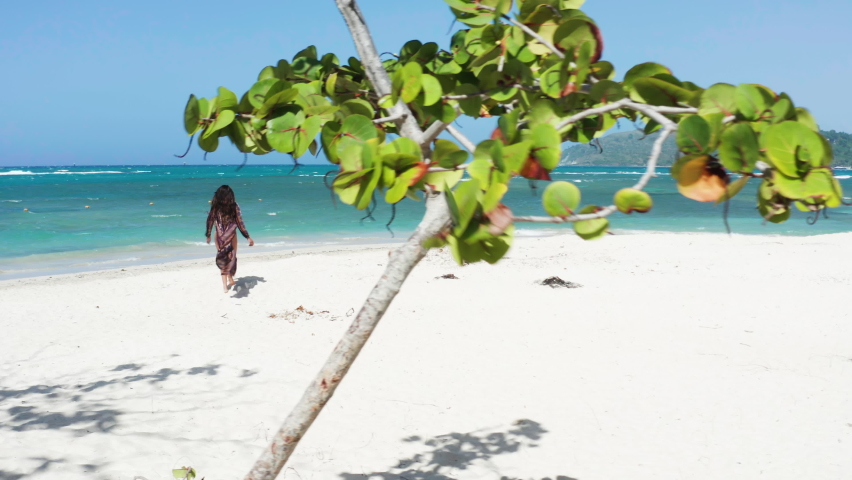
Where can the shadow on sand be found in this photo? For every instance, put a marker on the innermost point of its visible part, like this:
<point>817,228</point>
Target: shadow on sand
<point>244,286</point>
<point>444,455</point>
<point>84,406</point>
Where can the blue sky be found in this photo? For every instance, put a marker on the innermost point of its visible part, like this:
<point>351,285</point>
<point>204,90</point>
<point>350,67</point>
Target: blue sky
<point>105,82</point>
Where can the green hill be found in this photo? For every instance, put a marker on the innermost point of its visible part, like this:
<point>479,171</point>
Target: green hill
<point>631,149</point>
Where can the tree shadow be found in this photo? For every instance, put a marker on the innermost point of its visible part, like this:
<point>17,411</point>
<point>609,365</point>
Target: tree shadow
<point>459,451</point>
<point>35,406</point>
<point>41,468</point>
<point>245,284</point>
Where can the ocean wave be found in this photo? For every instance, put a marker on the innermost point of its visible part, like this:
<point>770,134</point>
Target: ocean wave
<point>166,216</point>
<point>197,244</point>
<point>842,177</point>
<point>142,171</point>
<point>12,201</point>
<point>60,172</point>
<point>273,214</point>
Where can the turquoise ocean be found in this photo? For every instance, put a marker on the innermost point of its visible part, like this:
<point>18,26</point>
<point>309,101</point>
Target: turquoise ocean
<point>154,214</point>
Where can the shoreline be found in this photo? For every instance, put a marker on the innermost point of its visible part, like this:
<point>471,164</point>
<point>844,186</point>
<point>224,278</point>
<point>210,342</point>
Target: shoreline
<point>114,258</point>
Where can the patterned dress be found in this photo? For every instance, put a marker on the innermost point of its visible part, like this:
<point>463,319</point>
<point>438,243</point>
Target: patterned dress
<point>226,257</point>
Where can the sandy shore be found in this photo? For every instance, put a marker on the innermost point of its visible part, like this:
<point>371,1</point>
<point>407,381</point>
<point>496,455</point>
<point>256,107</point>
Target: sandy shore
<point>681,357</point>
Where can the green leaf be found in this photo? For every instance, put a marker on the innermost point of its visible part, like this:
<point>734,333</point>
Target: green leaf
<point>720,98</point>
<point>591,229</point>
<point>493,196</point>
<point>643,70</point>
<point>307,133</point>
<point>467,197</point>
<point>356,129</point>
<point>328,136</point>
<point>400,186</point>
<point>515,155</point>
<point>561,199</point>
<point>629,200</point>
<point>606,91</point>
<point>208,143</point>
<point>480,171</point>
<point>365,195</point>
<point>224,119</point>
<point>431,88</point>
<point>412,74</point>
<point>470,106</point>
<point>782,110</point>
<point>191,116</point>
<point>693,135</point>
<point>739,151</point>
<point>783,142</point>
<point>805,118</point>
<point>659,92</point>
<point>282,132</point>
<point>448,154</point>
<point>276,100</point>
<point>733,189</point>
<point>227,100</point>
<point>403,145</point>
<point>257,93</point>
<point>554,79</point>
<point>441,180</point>
<point>750,102</point>
<point>357,106</point>
<point>546,145</point>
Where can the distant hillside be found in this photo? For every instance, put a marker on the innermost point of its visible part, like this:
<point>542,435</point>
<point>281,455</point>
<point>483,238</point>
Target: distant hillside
<point>625,149</point>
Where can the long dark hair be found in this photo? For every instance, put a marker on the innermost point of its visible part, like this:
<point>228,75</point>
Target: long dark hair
<point>224,205</point>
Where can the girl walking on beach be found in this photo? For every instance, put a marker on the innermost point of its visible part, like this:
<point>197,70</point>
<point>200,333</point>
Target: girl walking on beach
<point>225,215</point>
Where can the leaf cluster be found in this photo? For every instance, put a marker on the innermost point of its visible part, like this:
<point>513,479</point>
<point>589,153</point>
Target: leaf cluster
<point>537,66</point>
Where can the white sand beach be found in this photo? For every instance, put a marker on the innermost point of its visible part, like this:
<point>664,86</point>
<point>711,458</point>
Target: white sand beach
<point>681,357</point>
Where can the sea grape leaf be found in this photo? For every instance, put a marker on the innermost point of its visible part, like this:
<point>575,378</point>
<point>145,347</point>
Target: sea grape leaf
<point>591,229</point>
<point>734,188</point>
<point>441,180</point>
<point>431,89</point>
<point>693,135</point>
<point>412,74</point>
<point>629,200</point>
<point>739,150</point>
<point>719,98</point>
<point>192,116</point>
<point>224,119</point>
<point>750,102</point>
<point>561,199</point>
<point>546,145</point>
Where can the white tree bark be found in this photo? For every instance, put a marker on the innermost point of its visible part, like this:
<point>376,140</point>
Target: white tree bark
<point>400,264</point>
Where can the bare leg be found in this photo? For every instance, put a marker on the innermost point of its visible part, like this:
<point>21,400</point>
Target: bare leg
<point>234,244</point>
<point>225,283</point>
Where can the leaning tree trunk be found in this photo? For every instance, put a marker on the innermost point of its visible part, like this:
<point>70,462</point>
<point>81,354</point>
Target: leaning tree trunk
<point>402,261</point>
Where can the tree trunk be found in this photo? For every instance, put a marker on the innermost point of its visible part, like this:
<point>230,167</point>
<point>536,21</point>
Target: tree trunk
<point>402,261</point>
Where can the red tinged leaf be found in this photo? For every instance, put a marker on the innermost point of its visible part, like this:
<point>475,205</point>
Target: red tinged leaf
<point>497,134</point>
<point>570,88</point>
<point>422,170</point>
<point>534,171</point>
<point>500,219</point>
<point>596,57</point>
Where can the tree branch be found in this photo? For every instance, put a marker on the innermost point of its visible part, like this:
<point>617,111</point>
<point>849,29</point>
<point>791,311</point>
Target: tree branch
<point>376,72</point>
<point>392,118</point>
<point>402,261</point>
<point>592,112</point>
<point>466,143</point>
<point>526,29</point>
<point>656,150</point>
